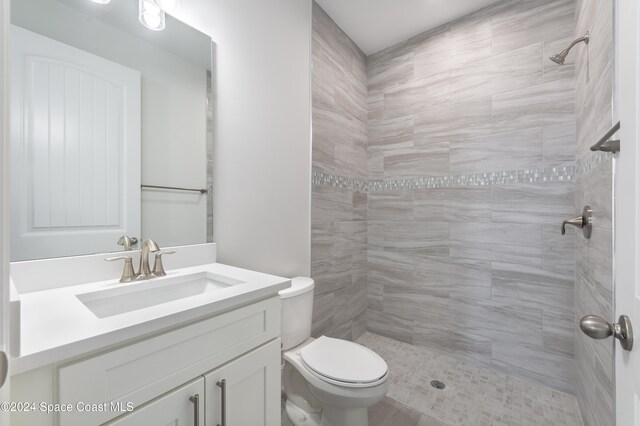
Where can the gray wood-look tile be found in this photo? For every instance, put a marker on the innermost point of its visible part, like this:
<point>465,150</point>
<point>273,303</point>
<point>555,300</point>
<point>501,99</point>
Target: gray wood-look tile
<point>547,204</point>
<point>558,331</point>
<point>498,321</point>
<point>448,338</point>
<point>341,105</point>
<point>593,292</point>
<point>473,96</point>
<point>559,145</point>
<point>524,21</point>
<point>520,244</point>
<point>452,205</point>
<point>427,238</point>
<point>434,55</point>
<point>536,363</point>
<point>444,276</point>
<point>417,95</point>
<point>390,206</point>
<point>427,160</point>
<point>527,286</point>
<point>544,104</point>
<point>390,133</point>
<point>454,121</point>
<point>498,152</point>
<point>471,38</point>
<point>387,325</point>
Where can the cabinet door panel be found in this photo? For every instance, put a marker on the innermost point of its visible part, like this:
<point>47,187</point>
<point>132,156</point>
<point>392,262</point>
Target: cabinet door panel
<point>252,385</point>
<point>176,408</point>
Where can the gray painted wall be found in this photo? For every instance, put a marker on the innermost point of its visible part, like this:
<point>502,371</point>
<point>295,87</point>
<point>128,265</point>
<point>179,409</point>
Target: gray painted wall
<point>594,286</point>
<point>338,215</point>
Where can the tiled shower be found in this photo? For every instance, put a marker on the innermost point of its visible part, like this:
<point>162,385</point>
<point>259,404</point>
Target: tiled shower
<point>442,169</point>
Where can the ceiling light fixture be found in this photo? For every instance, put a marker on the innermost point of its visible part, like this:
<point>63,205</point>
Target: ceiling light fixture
<point>150,15</point>
<point>101,1</point>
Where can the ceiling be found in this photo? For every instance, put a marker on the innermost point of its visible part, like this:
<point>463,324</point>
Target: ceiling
<point>377,24</point>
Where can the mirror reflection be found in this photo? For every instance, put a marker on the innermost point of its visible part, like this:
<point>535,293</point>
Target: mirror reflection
<point>110,129</point>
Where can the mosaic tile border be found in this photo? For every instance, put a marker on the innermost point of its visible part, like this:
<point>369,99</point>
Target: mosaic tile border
<point>554,174</point>
<point>321,178</point>
<point>589,162</point>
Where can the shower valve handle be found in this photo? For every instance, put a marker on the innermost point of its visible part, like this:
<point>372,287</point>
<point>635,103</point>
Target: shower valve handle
<point>583,222</point>
<point>576,221</point>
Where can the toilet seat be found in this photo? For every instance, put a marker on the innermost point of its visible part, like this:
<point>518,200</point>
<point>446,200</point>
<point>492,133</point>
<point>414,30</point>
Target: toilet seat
<point>343,363</point>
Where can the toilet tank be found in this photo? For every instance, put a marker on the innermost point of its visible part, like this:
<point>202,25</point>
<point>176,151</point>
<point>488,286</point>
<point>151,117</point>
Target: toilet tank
<point>297,311</point>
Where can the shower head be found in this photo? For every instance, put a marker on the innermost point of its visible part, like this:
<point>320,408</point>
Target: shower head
<point>559,58</point>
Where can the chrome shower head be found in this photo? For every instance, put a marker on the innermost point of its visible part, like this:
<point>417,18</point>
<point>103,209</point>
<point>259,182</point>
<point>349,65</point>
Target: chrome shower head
<point>559,58</point>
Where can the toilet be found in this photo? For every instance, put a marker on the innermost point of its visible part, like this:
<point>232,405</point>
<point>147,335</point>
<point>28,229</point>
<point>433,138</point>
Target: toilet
<point>327,381</point>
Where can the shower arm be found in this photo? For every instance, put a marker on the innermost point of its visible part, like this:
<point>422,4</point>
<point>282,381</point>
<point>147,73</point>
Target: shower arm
<point>584,38</point>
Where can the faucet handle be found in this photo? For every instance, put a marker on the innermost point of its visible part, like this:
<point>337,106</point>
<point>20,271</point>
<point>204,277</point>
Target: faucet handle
<point>158,268</point>
<point>128,273</point>
<point>127,242</point>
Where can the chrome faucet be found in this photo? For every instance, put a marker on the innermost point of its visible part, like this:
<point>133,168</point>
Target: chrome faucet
<point>144,271</point>
<point>127,242</point>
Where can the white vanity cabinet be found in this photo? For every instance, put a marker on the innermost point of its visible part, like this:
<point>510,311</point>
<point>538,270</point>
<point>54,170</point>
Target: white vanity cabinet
<point>241,392</point>
<point>181,407</point>
<point>158,375</point>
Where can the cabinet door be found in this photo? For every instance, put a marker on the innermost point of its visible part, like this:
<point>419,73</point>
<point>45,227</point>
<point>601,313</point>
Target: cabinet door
<point>247,389</point>
<point>181,407</point>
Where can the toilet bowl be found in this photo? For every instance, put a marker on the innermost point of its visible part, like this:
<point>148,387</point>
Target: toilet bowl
<point>327,381</point>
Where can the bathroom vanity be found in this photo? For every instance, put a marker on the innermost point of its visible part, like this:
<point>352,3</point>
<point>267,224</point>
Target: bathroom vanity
<point>203,339</point>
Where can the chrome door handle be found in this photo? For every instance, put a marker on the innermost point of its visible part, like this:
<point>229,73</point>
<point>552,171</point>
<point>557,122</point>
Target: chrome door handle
<point>196,409</point>
<point>583,222</point>
<point>222,384</point>
<point>598,328</point>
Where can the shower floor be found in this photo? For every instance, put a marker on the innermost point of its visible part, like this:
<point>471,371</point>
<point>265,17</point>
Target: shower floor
<point>474,396</point>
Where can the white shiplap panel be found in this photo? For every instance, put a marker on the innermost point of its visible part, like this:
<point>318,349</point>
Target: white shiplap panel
<point>113,159</point>
<point>37,141</point>
<point>56,146</point>
<point>71,146</point>
<point>99,151</point>
<point>85,150</point>
<point>71,141</point>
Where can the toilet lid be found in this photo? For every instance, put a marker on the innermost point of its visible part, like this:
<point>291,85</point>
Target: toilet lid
<point>343,361</point>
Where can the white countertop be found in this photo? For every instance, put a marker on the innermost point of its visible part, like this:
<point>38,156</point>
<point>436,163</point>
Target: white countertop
<point>56,326</point>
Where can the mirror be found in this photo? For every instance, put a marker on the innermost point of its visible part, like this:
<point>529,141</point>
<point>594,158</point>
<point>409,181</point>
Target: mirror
<point>111,129</point>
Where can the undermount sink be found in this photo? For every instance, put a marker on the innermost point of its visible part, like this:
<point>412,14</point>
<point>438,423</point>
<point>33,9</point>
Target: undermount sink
<point>134,296</point>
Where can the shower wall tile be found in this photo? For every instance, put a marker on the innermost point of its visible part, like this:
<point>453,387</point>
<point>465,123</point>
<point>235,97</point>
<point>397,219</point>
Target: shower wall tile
<point>339,216</point>
<point>428,160</point>
<point>478,272</point>
<point>543,203</point>
<point>390,206</point>
<point>559,145</point>
<point>385,324</point>
<point>453,121</point>
<point>594,286</point>
<point>453,340</point>
<point>496,152</point>
<point>522,22</point>
<point>541,105</point>
<point>453,205</point>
